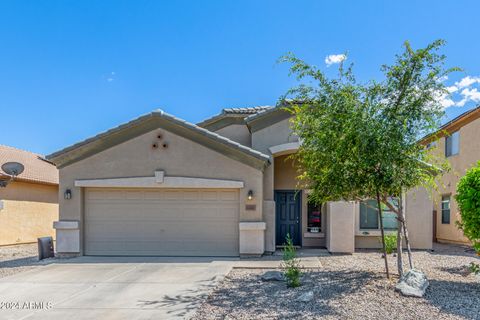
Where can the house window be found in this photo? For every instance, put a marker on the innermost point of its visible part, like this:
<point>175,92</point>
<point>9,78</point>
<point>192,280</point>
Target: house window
<point>369,216</point>
<point>452,144</point>
<point>446,209</point>
<point>314,217</point>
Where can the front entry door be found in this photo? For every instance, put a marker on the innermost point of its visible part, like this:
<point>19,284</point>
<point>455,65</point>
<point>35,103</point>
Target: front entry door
<point>288,212</point>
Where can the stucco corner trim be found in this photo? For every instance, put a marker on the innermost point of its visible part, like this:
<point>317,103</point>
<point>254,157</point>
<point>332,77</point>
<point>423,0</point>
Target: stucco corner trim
<point>153,182</point>
<point>64,225</point>
<point>159,176</point>
<point>285,148</point>
<point>252,225</point>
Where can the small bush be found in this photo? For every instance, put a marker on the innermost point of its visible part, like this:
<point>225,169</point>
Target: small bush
<point>474,268</point>
<point>291,265</point>
<point>390,243</point>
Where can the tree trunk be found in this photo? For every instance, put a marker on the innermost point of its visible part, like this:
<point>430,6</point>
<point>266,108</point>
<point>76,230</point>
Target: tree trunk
<point>405,233</point>
<point>379,208</point>
<point>399,249</point>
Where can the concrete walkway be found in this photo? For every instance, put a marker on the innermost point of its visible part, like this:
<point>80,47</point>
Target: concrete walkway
<point>308,259</point>
<point>112,288</point>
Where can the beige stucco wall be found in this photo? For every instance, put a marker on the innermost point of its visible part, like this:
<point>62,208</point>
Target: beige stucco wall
<point>136,158</point>
<point>29,210</point>
<point>238,133</point>
<point>468,156</point>
<point>276,134</point>
<point>419,213</point>
<point>340,227</point>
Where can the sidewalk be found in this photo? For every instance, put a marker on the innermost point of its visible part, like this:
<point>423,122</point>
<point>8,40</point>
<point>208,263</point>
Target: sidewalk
<point>308,260</point>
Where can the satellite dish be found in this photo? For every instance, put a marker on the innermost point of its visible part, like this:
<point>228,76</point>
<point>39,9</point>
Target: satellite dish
<point>13,168</point>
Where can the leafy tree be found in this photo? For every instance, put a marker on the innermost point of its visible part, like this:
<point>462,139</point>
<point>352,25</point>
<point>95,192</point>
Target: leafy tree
<point>359,140</point>
<point>468,200</point>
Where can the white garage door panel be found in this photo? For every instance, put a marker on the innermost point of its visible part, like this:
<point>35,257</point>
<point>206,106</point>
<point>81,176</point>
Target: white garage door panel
<point>161,222</point>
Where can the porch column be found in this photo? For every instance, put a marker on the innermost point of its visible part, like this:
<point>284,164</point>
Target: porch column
<point>341,227</point>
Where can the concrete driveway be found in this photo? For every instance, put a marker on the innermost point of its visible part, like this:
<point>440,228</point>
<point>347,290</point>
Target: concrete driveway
<point>112,288</point>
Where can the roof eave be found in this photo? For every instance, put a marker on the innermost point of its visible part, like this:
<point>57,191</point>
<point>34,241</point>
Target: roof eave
<point>152,121</point>
<point>453,125</point>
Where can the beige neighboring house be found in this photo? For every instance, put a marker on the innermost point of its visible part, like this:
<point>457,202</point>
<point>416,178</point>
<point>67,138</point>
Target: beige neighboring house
<point>159,185</point>
<point>458,141</point>
<point>29,204</point>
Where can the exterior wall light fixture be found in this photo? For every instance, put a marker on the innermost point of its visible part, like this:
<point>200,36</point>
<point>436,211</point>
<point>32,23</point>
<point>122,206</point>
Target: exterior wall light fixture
<point>68,194</point>
<point>250,195</point>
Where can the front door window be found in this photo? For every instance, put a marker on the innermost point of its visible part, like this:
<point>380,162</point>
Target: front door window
<point>314,216</point>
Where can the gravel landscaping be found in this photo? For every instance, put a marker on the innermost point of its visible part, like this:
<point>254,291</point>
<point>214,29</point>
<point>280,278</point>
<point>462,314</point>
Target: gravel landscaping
<point>18,258</point>
<point>353,287</point>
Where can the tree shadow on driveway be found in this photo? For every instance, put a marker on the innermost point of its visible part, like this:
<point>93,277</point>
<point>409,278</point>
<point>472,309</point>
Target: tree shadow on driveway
<point>186,303</point>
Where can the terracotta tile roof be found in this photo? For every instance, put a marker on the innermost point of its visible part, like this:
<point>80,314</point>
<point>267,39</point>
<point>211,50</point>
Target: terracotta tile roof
<point>37,168</point>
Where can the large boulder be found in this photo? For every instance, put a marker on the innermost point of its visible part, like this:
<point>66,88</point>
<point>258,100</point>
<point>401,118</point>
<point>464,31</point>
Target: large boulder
<point>273,276</point>
<point>412,284</point>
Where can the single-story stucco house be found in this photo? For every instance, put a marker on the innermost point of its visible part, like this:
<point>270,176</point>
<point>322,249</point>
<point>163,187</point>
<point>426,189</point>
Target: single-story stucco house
<point>29,203</point>
<point>159,185</point>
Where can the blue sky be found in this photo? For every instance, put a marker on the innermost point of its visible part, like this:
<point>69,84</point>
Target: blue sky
<point>70,69</point>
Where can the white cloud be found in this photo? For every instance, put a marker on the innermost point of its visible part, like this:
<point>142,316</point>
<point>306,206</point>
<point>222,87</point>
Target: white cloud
<point>456,97</point>
<point>468,95</point>
<point>111,76</point>
<point>452,89</point>
<point>334,58</point>
<point>446,102</point>
<point>467,82</point>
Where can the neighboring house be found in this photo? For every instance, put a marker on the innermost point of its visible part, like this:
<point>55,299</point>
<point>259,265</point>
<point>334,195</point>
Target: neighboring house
<point>458,142</point>
<point>28,204</point>
<point>158,185</point>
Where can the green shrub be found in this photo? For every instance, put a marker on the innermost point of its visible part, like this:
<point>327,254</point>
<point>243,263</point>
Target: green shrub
<point>390,243</point>
<point>474,268</point>
<point>291,265</point>
<point>468,200</point>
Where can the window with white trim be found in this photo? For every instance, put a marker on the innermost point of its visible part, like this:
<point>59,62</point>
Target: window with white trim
<point>369,216</point>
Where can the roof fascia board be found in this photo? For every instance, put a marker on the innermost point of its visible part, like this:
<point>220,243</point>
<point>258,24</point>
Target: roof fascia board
<point>146,124</point>
<point>224,121</point>
<point>267,119</point>
<point>453,125</point>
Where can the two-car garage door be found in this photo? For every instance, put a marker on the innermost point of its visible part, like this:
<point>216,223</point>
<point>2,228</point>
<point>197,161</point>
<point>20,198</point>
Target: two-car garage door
<point>164,222</point>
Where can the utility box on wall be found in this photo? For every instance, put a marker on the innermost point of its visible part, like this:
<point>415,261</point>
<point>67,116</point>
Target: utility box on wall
<point>45,248</point>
